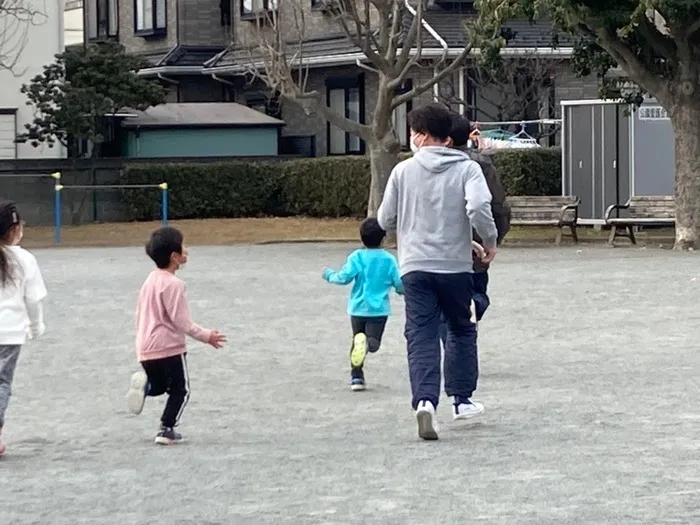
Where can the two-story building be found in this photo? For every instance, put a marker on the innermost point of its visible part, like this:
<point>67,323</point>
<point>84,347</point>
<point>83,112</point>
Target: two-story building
<point>30,41</point>
<point>200,50</point>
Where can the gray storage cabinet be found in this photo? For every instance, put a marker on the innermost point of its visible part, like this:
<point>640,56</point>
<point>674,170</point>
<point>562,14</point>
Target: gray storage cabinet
<point>610,154</point>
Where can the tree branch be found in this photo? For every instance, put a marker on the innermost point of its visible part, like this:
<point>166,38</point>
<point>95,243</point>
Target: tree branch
<point>456,63</point>
<point>362,35</point>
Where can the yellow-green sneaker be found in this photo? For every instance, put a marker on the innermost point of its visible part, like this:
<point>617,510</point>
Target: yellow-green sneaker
<point>359,350</point>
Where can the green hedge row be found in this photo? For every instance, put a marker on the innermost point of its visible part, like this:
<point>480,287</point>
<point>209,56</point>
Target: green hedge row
<point>316,187</point>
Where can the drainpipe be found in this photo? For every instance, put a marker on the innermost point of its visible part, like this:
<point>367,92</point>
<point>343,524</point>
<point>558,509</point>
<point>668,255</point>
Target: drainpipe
<point>462,91</point>
<point>427,27</point>
<point>222,80</point>
<point>436,36</point>
<point>166,79</point>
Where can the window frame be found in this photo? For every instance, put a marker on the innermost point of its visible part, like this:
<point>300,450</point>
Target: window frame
<point>154,30</point>
<point>346,84</point>
<point>95,4</point>
<point>405,88</point>
<point>268,6</point>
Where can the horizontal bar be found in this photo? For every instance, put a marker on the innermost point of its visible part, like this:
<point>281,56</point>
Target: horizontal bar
<point>10,175</point>
<point>108,186</point>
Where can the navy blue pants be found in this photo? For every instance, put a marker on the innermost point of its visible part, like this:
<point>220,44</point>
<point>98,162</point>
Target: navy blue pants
<point>428,296</point>
<point>480,297</point>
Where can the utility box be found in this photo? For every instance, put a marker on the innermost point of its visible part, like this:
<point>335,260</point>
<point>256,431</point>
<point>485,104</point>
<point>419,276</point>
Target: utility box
<point>610,153</point>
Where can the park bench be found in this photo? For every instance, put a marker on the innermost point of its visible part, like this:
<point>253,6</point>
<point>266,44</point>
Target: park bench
<point>654,210</point>
<point>558,211</point>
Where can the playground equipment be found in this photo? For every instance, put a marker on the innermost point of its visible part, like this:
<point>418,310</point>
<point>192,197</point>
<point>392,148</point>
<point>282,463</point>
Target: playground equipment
<point>59,188</point>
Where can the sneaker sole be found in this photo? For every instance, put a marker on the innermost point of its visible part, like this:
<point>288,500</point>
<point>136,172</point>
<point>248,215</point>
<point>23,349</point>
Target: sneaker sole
<point>426,428</point>
<point>359,350</point>
<point>462,417</point>
<point>165,441</point>
<point>358,388</point>
<point>136,396</point>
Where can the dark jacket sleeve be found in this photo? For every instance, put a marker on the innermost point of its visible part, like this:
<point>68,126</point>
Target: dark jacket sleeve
<point>499,204</point>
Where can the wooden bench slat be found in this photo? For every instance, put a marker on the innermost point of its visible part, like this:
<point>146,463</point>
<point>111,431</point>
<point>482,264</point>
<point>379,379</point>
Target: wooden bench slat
<point>536,222</point>
<point>641,220</point>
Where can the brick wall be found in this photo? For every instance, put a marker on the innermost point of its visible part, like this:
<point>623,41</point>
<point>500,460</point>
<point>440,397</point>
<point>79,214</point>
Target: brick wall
<point>200,23</point>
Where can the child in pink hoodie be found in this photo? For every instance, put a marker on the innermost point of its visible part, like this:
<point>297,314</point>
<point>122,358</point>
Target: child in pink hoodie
<point>162,321</point>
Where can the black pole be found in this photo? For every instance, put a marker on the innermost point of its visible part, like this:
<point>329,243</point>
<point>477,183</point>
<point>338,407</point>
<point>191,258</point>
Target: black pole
<point>617,156</point>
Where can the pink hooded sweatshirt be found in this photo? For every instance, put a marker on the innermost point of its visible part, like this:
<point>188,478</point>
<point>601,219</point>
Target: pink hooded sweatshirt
<point>163,318</point>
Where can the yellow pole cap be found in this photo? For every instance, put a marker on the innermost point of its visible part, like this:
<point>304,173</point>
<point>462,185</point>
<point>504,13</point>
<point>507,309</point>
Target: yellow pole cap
<point>163,186</point>
<point>58,187</point>
<point>56,175</point>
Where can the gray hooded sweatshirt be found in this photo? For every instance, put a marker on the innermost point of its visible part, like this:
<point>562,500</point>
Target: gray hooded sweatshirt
<point>432,201</point>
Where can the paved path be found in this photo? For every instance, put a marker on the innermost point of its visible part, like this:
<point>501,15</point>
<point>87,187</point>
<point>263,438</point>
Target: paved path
<point>590,368</point>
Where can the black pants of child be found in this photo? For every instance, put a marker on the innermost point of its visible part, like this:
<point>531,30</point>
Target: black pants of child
<point>169,375</point>
<point>373,328</point>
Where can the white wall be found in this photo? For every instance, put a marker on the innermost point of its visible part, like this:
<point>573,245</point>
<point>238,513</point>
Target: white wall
<point>35,45</point>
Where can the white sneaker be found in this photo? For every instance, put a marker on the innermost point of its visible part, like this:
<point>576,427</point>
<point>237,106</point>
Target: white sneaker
<point>136,396</point>
<point>467,410</point>
<point>427,426</point>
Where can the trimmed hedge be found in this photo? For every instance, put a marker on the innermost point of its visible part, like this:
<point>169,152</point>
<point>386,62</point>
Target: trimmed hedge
<point>316,187</point>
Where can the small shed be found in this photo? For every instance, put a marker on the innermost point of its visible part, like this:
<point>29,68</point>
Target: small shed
<point>206,129</point>
<point>611,152</point>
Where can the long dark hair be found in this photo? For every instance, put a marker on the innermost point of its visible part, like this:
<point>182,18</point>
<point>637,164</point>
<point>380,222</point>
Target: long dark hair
<point>9,220</point>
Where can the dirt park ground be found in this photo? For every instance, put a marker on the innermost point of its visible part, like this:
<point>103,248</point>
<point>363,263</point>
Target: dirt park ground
<point>589,376</point>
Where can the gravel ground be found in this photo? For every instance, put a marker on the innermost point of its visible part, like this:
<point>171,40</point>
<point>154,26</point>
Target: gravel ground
<point>589,375</point>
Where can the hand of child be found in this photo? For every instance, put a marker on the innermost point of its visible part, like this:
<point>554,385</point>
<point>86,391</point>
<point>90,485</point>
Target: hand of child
<point>217,339</point>
<point>478,249</point>
<point>326,272</point>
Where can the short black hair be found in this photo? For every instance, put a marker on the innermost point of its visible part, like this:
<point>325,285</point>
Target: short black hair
<point>461,128</point>
<point>432,119</point>
<point>371,233</point>
<point>163,243</point>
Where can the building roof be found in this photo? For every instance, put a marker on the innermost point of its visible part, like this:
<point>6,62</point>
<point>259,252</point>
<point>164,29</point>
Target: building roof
<point>447,21</point>
<point>450,25</point>
<point>182,56</point>
<point>200,114</point>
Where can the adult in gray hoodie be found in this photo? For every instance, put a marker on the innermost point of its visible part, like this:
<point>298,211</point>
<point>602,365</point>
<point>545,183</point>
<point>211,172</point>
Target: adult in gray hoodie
<point>432,201</point>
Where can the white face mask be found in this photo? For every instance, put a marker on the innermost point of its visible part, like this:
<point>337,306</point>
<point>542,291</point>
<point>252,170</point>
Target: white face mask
<point>414,147</point>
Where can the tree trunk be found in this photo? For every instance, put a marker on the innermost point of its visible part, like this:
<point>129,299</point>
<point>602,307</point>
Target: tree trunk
<point>686,127</point>
<point>382,158</point>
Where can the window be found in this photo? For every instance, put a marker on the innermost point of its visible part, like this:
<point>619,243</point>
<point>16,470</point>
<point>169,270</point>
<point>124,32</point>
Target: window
<point>225,8</point>
<point>401,113</point>
<point>346,96</point>
<point>150,17</point>
<point>103,20</point>
<point>265,103</point>
<point>256,8</point>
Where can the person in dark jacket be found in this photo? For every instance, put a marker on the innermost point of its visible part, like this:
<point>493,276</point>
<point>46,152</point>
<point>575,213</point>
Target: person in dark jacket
<point>459,137</point>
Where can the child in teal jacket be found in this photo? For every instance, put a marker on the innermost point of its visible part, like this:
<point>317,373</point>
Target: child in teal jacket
<point>373,272</point>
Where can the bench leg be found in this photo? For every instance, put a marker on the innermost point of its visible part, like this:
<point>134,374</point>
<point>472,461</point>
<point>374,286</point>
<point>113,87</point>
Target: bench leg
<point>630,229</point>
<point>560,234</point>
<point>574,234</point>
<point>613,234</point>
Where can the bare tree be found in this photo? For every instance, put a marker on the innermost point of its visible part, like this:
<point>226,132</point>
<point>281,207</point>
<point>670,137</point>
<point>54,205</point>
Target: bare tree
<point>16,17</point>
<point>392,48</point>
<point>510,90</point>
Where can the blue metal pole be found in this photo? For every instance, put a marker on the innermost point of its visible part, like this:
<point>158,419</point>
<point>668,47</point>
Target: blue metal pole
<point>57,213</point>
<point>164,203</point>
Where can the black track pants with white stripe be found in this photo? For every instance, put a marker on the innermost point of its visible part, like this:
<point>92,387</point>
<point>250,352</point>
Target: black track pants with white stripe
<point>169,375</point>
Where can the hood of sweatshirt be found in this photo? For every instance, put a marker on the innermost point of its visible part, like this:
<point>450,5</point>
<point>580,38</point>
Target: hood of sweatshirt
<point>439,158</point>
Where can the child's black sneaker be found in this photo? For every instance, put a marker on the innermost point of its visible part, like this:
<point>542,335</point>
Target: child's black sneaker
<point>168,436</point>
<point>357,384</point>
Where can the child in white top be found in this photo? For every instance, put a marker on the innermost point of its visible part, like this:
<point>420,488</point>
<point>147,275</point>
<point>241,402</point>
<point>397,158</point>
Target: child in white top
<point>21,291</point>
